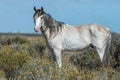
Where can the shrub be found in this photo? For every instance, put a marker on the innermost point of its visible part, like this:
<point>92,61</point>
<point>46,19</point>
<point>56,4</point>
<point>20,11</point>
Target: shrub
<point>90,59</point>
<point>8,40</point>
<point>11,61</point>
<point>2,75</point>
<point>37,49</point>
<point>16,62</point>
<point>115,51</point>
<point>5,40</point>
<point>87,59</point>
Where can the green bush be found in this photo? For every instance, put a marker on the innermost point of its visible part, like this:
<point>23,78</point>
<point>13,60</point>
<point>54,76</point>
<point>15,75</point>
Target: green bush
<point>8,40</point>
<point>2,75</point>
<point>115,51</point>
<point>11,61</point>
<point>20,59</point>
<point>37,49</point>
<point>88,59</point>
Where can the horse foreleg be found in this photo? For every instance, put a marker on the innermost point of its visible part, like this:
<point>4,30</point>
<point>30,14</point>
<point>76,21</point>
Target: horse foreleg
<point>57,54</point>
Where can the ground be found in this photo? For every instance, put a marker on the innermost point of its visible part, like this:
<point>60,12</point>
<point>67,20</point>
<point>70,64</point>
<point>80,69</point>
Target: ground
<point>25,57</point>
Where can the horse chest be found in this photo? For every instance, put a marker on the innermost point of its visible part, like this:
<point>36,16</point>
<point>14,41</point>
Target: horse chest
<point>55,43</point>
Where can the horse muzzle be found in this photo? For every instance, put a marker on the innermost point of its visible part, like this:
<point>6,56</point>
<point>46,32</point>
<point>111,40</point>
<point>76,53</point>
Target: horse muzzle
<point>36,29</point>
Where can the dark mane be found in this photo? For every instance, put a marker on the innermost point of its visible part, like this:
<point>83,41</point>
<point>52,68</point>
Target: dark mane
<point>54,26</point>
<point>53,22</point>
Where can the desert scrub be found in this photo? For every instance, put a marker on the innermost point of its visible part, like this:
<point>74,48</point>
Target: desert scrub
<point>37,69</point>
<point>8,40</point>
<point>11,61</point>
<point>2,75</point>
<point>87,59</point>
<point>5,40</point>
<point>115,51</point>
<point>26,58</point>
<point>37,49</point>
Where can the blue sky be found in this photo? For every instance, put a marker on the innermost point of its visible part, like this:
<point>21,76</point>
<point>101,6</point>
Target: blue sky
<point>17,15</point>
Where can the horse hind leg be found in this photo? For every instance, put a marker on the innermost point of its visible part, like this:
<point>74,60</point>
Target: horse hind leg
<point>102,46</point>
<point>103,54</point>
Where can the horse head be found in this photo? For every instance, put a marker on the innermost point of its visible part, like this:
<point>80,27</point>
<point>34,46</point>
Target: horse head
<point>38,19</point>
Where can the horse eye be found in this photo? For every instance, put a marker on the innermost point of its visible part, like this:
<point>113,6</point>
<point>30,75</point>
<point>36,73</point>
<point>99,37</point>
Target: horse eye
<point>42,17</point>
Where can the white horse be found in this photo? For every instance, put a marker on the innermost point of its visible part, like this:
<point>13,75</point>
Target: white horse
<point>60,36</point>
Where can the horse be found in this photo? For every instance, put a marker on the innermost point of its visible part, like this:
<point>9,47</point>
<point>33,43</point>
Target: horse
<point>60,36</point>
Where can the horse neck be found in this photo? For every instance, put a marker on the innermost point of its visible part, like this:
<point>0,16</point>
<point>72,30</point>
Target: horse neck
<point>51,28</point>
<point>45,32</point>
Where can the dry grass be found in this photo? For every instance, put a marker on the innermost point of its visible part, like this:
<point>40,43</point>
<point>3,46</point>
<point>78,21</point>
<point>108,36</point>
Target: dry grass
<point>27,58</point>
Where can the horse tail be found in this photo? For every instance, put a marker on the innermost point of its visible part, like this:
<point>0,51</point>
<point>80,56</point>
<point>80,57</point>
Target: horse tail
<point>107,50</point>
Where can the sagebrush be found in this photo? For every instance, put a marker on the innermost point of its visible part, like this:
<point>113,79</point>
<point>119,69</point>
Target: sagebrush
<point>27,58</point>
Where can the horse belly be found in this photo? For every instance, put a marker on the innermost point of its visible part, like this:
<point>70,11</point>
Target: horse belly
<point>75,44</point>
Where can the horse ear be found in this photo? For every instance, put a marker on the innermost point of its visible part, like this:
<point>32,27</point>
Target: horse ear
<point>35,8</point>
<point>42,9</point>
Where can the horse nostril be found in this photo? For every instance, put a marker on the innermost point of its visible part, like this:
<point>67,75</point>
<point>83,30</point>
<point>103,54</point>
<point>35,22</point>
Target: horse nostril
<point>36,29</point>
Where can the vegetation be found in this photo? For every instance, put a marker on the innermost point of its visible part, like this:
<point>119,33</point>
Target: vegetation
<point>27,58</point>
